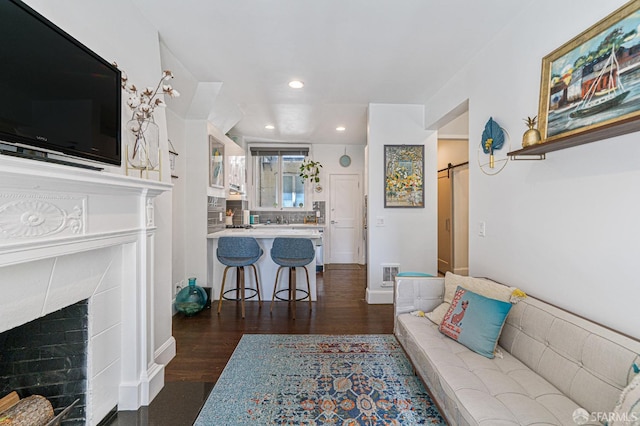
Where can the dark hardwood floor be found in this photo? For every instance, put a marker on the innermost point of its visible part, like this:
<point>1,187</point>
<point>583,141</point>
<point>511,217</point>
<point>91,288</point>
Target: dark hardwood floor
<point>206,341</point>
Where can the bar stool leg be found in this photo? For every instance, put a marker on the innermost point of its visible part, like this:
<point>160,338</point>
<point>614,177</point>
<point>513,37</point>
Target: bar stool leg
<point>224,277</point>
<point>292,289</point>
<point>308,287</point>
<point>255,273</point>
<point>275,287</point>
<point>241,279</point>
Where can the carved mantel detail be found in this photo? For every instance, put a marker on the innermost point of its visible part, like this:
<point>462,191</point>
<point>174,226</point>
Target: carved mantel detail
<point>25,216</point>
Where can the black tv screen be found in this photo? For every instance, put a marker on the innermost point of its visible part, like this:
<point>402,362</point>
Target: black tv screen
<point>55,93</point>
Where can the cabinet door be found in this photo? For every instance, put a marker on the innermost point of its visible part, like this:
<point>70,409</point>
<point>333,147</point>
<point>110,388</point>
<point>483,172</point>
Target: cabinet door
<point>236,173</point>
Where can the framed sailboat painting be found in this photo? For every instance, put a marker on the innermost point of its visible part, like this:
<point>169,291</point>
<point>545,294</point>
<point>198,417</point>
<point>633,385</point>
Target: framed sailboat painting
<point>593,81</point>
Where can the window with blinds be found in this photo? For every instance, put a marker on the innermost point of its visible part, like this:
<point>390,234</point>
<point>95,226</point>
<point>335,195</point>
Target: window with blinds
<point>277,181</point>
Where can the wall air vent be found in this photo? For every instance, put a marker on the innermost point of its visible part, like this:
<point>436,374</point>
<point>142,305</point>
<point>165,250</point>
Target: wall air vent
<point>389,272</point>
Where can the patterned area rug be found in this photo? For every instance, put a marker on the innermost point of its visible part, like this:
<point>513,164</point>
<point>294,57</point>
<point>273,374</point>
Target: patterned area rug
<point>318,380</point>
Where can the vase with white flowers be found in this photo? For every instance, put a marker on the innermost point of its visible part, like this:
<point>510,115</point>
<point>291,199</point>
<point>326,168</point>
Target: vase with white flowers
<point>143,136</point>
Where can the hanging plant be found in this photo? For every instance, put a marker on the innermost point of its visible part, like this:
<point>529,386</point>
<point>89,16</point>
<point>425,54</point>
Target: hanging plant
<point>310,170</point>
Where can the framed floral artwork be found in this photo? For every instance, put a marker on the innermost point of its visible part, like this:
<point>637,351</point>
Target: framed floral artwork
<point>590,86</point>
<point>404,176</point>
<point>216,163</point>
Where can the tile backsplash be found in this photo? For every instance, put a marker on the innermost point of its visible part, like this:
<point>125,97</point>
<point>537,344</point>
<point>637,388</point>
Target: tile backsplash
<point>237,206</point>
<point>278,216</point>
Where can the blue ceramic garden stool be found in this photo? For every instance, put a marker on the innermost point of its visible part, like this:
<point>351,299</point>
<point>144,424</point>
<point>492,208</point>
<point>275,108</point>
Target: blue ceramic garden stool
<point>238,252</point>
<point>292,253</point>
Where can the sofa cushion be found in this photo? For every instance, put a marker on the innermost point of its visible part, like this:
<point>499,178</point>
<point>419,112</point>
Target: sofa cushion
<point>475,390</point>
<point>481,286</point>
<point>574,354</point>
<point>475,321</point>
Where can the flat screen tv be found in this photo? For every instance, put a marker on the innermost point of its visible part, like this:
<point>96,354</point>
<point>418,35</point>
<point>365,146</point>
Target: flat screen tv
<point>56,95</point>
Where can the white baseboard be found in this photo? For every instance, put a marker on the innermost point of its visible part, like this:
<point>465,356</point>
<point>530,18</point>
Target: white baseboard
<point>156,382</point>
<point>166,352</point>
<point>461,271</point>
<point>133,395</point>
<point>380,297</point>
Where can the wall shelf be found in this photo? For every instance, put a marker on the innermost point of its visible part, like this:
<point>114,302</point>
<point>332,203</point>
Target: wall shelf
<point>556,143</point>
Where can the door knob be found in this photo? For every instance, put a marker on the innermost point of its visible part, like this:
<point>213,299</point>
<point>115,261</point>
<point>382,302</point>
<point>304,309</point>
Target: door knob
<point>334,221</point>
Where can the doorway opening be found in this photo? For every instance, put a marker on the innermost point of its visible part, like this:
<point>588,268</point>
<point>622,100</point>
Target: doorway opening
<point>453,196</point>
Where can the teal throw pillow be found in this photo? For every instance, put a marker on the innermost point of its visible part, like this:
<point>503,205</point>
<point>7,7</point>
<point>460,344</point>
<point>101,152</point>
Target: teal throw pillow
<point>475,321</point>
<point>627,410</point>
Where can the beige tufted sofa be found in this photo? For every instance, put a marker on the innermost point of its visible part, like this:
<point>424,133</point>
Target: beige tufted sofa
<point>552,363</point>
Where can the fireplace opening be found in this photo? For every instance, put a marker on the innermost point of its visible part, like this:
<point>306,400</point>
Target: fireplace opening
<point>48,357</point>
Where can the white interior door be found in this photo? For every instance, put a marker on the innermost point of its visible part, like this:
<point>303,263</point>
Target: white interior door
<point>344,218</point>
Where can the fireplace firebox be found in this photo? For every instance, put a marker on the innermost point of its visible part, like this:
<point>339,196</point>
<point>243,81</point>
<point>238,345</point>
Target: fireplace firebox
<point>48,357</point>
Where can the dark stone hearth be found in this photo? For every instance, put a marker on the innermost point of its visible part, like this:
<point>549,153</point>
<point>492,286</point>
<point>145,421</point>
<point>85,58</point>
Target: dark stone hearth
<point>48,357</point>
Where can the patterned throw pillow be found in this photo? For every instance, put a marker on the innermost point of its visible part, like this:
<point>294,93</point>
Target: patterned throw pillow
<point>475,321</point>
<point>481,286</point>
<point>627,410</point>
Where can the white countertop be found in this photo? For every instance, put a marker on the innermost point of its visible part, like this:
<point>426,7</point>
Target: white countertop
<point>290,225</point>
<point>271,231</point>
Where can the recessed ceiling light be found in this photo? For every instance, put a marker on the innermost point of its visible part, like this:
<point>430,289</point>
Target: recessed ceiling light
<point>296,84</point>
<point>341,128</point>
<point>269,127</point>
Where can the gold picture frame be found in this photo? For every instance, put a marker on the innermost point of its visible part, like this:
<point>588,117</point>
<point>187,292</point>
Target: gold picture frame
<point>590,86</point>
<point>404,176</point>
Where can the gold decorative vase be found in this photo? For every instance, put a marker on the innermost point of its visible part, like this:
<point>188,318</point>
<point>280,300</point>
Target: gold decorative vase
<point>531,136</point>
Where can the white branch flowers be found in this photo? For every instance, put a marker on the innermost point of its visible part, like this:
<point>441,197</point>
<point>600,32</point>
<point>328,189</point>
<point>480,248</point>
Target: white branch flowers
<point>144,103</point>
<point>142,147</point>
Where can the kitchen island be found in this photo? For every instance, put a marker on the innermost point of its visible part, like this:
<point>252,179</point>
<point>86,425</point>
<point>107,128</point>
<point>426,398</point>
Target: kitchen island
<point>266,267</point>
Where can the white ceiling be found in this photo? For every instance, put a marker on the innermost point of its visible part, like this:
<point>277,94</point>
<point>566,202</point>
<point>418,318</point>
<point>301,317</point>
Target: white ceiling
<point>349,53</point>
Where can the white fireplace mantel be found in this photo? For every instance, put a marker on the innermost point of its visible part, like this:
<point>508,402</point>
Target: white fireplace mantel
<point>69,234</point>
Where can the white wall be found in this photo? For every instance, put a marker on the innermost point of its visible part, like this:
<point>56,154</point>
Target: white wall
<point>564,229</point>
<point>195,214</point>
<point>99,25</point>
<point>176,128</point>
<point>454,151</point>
<point>457,128</point>
<point>409,235</point>
<point>329,155</point>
